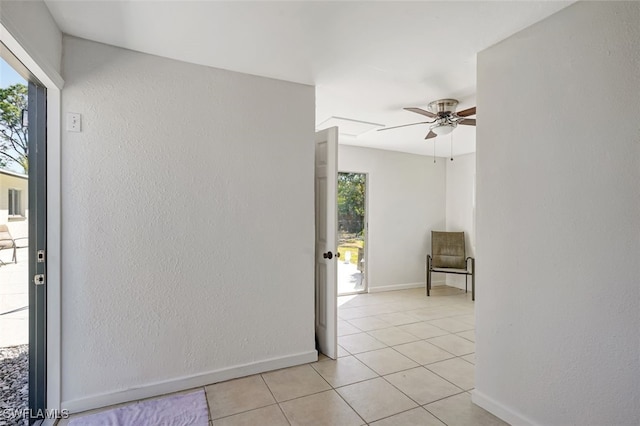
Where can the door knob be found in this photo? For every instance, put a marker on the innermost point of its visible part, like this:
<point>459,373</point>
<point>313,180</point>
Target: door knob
<point>327,255</point>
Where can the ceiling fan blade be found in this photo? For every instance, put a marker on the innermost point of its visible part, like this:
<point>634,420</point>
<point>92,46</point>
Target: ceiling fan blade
<point>403,125</point>
<point>467,112</point>
<point>468,122</point>
<point>422,112</point>
<point>431,135</point>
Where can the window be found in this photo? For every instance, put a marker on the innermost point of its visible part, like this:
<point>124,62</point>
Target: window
<point>15,202</point>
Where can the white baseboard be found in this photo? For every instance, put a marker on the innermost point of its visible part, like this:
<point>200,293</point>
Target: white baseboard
<point>459,287</point>
<point>185,383</point>
<point>402,286</point>
<point>508,415</point>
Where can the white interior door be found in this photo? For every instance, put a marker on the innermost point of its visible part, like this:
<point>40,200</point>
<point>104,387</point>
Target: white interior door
<point>326,176</point>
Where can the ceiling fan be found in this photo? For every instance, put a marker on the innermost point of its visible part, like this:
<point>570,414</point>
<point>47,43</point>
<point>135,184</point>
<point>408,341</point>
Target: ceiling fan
<point>444,115</point>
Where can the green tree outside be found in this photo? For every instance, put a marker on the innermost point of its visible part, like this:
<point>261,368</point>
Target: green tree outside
<point>351,194</point>
<point>13,135</point>
<point>351,211</point>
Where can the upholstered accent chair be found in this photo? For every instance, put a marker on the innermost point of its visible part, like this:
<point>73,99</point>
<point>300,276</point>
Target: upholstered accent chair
<point>448,255</point>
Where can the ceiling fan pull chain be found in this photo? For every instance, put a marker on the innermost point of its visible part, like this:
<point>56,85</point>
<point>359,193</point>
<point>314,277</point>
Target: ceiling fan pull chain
<point>434,151</point>
<point>451,143</point>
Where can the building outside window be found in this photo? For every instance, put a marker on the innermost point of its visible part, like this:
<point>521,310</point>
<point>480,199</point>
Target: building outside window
<point>15,202</point>
<point>14,198</point>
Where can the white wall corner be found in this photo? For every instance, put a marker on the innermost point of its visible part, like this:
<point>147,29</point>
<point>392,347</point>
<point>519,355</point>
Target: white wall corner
<point>393,287</point>
<point>16,21</point>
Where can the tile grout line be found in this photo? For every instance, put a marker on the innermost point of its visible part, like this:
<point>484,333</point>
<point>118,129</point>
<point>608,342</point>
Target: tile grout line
<point>206,398</point>
<point>443,398</point>
<point>349,384</point>
<point>440,347</point>
<point>390,346</point>
<point>419,363</point>
<point>433,414</point>
<point>368,350</point>
<point>444,378</point>
<point>401,412</point>
<point>338,393</point>
<point>421,405</point>
<point>275,399</point>
<point>402,392</point>
<point>349,405</point>
<point>243,411</point>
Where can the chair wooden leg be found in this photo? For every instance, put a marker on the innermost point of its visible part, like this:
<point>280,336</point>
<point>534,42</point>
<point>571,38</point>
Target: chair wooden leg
<point>465,282</point>
<point>428,271</point>
<point>473,280</point>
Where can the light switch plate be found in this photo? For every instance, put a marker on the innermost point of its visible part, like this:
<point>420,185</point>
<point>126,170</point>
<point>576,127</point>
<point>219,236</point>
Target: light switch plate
<point>73,122</point>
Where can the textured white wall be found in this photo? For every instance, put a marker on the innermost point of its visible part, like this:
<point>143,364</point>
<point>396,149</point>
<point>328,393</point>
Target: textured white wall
<point>188,230</point>
<point>406,199</point>
<point>558,220</point>
<point>30,22</point>
<point>461,173</point>
<point>29,31</point>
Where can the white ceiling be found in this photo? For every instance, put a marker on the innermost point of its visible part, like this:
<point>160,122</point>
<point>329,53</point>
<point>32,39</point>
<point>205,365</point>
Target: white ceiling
<point>367,59</point>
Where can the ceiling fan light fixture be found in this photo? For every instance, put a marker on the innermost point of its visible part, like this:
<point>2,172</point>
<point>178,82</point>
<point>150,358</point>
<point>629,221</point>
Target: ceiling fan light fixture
<point>444,117</point>
<point>443,129</point>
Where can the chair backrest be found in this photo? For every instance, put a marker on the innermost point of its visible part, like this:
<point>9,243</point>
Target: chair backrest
<point>6,240</point>
<point>448,250</point>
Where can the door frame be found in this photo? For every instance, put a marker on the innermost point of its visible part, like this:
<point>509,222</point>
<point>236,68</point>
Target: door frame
<point>366,227</point>
<point>37,109</point>
<point>12,37</point>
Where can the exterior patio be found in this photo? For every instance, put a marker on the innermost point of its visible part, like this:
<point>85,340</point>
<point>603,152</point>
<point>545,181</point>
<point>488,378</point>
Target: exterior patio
<point>350,279</point>
<point>14,297</point>
<point>14,331</point>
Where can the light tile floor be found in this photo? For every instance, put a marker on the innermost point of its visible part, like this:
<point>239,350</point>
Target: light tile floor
<point>404,359</point>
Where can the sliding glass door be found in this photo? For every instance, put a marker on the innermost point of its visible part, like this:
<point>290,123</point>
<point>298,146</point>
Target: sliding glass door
<point>23,204</point>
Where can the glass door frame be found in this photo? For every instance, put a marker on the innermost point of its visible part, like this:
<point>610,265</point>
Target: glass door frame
<point>37,111</point>
<point>37,195</point>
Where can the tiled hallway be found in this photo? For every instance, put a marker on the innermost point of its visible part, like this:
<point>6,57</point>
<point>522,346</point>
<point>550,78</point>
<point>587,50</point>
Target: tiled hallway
<point>404,359</point>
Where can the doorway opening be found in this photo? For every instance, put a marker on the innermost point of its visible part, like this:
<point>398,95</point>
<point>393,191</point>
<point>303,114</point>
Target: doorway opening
<point>22,240</point>
<point>352,233</point>
<point>14,239</point>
